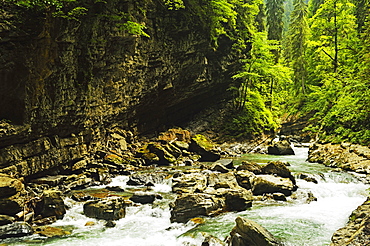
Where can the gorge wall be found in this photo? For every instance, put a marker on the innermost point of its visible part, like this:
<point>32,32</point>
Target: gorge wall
<point>64,81</point>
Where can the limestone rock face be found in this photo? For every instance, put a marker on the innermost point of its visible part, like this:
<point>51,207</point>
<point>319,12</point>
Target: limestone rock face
<point>247,232</point>
<point>9,186</point>
<point>12,195</point>
<point>64,82</point>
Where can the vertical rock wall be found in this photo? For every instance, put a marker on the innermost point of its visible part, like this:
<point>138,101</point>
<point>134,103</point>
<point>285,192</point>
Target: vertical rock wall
<point>62,82</point>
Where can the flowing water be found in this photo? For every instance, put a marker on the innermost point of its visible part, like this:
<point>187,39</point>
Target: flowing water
<point>295,222</point>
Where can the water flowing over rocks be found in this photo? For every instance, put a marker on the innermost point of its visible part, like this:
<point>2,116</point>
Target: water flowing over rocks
<point>357,230</point>
<point>16,229</point>
<point>248,232</point>
<point>208,193</point>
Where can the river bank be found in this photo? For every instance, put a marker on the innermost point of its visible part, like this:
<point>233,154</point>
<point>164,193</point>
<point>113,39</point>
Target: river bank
<point>228,186</point>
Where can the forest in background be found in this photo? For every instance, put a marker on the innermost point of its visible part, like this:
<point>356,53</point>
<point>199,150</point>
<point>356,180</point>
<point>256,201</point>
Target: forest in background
<point>297,57</point>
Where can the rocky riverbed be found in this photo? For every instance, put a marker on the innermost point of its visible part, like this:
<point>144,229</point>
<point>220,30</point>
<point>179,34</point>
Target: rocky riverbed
<point>353,158</point>
<point>204,179</point>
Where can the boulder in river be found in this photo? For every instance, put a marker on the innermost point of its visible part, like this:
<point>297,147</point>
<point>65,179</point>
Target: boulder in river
<point>51,204</point>
<point>108,209</point>
<point>262,184</point>
<point>238,200</point>
<point>249,233</point>
<point>194,205</point>
<point>204,147</point>
<point>280,148</point>
<point>16,229</point>
<point>279,168</point>
<point>143,197</point>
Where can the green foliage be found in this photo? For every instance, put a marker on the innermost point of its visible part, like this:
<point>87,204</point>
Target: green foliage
<point>298,33</point>
<point>174,4</point>
<point>275,11</point>
<point>342,110</point>
<point>252,120</point>
<point>134,28</point>
<point>59,8</point>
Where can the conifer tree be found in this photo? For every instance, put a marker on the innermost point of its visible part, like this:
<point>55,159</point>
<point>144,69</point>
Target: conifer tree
<point>298,35</point>
<point>275,11</point>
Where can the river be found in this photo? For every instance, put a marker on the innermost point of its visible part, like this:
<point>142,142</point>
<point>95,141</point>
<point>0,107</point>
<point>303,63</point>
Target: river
<point>295,222</point>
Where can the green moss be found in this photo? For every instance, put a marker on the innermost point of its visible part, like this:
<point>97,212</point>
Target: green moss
<point>203,142</point>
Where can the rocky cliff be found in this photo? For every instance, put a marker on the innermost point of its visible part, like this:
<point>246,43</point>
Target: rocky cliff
<point>63,81</point>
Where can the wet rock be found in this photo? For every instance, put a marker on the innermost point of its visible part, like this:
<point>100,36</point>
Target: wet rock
<point>6,219</point>
<point>51,204</point>
<point>307,177</point>
<point>248,232</point>
<point>278,168</point>
<point>12,205</point>
<point>280,148</point>
<point>16,229</point>
<point>279,197</point>
<point>209,240</point>
<point>50,180</point>
<point>311,197</point>
<point>115,188</point>
<point>192,182</point>
<point>244,178</point>
<point>228,163</point>
<point>204,147</point>
<point>143,197</point>
<point>142,179</point>
<point>238,200</point>
<point>48,231</point>
<point>107,209</point>
<point>190,206</point>
<point>250,166</point>
<point>44,221</point>
<point>218,167</point>
<point>110,224</point>
<point>262,184</point>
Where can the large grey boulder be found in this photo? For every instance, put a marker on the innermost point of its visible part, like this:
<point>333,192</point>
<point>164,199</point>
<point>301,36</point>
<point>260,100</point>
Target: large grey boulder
<point>280,148</point>
<point>238,200</point>
<point>204,147</point>
<point>249,233</point>
<point>279,168</point>
<point>108,209</point>
<point>194,205</point>
<point>262,184</point>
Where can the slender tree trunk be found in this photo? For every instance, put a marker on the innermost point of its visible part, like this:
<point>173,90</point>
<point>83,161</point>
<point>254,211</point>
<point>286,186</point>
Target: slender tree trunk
<point>336,49</point>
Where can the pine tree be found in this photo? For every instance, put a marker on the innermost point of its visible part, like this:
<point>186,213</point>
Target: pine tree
<point>313,6</point>
<point>298,36</point>
<point>275,11</point>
